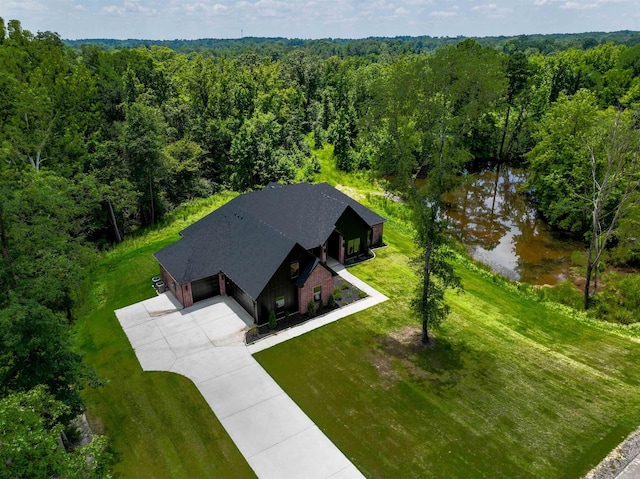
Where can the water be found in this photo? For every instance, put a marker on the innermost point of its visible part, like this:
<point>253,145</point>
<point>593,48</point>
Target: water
<point>503,230</point>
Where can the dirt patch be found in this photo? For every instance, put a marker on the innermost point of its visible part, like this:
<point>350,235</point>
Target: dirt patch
<point>389,375</point>
<point>395,357</point>
<point>156,314</point>
<point>351,192</point>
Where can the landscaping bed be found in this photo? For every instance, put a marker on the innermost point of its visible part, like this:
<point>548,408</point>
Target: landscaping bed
<point>344,293</point>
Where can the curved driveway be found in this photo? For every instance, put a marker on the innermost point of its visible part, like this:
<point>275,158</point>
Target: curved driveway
<point>206,344</point>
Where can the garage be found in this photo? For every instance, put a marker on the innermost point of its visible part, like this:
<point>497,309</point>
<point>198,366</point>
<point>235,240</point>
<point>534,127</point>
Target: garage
<point>205,288</point>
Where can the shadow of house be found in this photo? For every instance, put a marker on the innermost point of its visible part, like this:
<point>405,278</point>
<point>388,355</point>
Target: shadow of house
<point>268,249</point>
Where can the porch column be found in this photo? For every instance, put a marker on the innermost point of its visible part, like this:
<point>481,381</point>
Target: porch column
<point>341,247</point>
<point>323,253</point>
<point>255,312</point>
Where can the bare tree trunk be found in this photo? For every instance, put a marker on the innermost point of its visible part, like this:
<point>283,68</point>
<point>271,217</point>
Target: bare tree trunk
<point>114,222</point>
<point>620,172</point>
<point>153,212</point>
<point>504,131</point>
<point>587,284</point>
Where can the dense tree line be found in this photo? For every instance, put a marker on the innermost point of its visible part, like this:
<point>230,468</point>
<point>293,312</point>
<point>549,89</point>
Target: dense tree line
<point>372,47</point>
<point>96,143</point>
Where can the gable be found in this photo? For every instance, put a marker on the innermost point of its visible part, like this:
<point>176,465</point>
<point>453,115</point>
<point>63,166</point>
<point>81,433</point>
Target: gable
<point>234,242</point>
<point>249,237</point>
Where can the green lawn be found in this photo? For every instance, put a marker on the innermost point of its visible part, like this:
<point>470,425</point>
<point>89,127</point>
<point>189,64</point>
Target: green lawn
<point>514,388</point>
<point>158,423</point>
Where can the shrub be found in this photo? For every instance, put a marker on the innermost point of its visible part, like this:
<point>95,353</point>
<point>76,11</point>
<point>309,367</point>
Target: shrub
<point>331,301</point>
<point>273,322</point>
<point>564,293</point>
<point>619,302</point>
<point>344,285</point>
<point>362,294</point>
<point>337,294</point>
<point>253,331</point>
<point>578,258</point>
<point>311,308</point>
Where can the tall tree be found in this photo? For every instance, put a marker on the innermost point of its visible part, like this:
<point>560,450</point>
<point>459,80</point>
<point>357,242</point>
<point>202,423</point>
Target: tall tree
<point>614,155</point>
<point>143,143</point>
<point>559,162</point>
<point>517,72</point>
<point>30,430</point>
<point>36,349</point>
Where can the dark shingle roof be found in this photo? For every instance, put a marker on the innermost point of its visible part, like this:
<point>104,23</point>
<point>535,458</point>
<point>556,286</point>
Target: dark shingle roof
<point>250,236</point>
<point>234,242</point>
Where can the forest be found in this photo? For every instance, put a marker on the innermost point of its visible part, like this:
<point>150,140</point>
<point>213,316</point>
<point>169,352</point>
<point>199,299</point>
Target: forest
<point>101,139</point>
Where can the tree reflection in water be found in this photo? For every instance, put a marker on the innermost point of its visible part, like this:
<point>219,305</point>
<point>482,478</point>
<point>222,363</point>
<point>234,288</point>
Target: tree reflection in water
<point>503,230</point>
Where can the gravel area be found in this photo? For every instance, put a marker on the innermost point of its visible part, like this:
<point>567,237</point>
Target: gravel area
<point>612,465</point>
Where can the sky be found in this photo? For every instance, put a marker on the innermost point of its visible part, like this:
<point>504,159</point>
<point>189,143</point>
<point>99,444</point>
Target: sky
<point>192,19</point>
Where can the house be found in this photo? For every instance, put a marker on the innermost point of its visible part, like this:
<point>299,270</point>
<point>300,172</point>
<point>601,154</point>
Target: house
<point>268,249</point>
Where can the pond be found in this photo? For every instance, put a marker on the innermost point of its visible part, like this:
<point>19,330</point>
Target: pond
<point>502,229</point>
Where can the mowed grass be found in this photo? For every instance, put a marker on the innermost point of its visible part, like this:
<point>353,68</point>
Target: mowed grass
<point>513,389</point>
<point>158,423</point>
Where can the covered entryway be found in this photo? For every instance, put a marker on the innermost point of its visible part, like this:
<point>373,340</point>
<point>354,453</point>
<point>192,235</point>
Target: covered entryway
<point>336,248</point>
<point>205,288</point>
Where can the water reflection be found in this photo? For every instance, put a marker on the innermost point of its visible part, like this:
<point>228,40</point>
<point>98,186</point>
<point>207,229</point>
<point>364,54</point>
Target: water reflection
<point>502,229</point>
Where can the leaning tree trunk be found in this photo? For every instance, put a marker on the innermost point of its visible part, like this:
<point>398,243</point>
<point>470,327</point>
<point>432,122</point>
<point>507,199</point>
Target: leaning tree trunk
<point>504,131</point>
<point>114,222</point>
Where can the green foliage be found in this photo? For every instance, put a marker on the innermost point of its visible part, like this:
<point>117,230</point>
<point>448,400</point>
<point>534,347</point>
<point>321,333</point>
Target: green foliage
<point>564,293</point>
<point>331,301</point>
<point>43,222</point>
<point>30,430</point>
<point>35,348</point>
<point>273,322</point>
<point>311,308</point>
<point>337,294</point>
<point>559,163</point>
<point>627,243</point>
<point>97,142</point>
<point>619,301</point>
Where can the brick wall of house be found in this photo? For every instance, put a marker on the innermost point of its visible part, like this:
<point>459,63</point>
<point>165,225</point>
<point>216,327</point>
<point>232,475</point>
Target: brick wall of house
<point>186,295</point>
<point>320,276</point>
<point>376,235</point>
<point>182,292</point>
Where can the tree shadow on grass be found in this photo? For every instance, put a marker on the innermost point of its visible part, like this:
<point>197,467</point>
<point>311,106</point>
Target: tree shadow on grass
<point>401,356</point>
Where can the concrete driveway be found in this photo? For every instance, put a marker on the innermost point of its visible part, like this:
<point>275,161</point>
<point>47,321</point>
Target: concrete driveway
<point>206,344</point>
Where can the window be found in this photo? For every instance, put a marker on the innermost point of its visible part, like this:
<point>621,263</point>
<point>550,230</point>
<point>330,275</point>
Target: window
<point>353,246</point>
<point>317,293</point>
<point>295,269</point>
<point>280,302</point>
